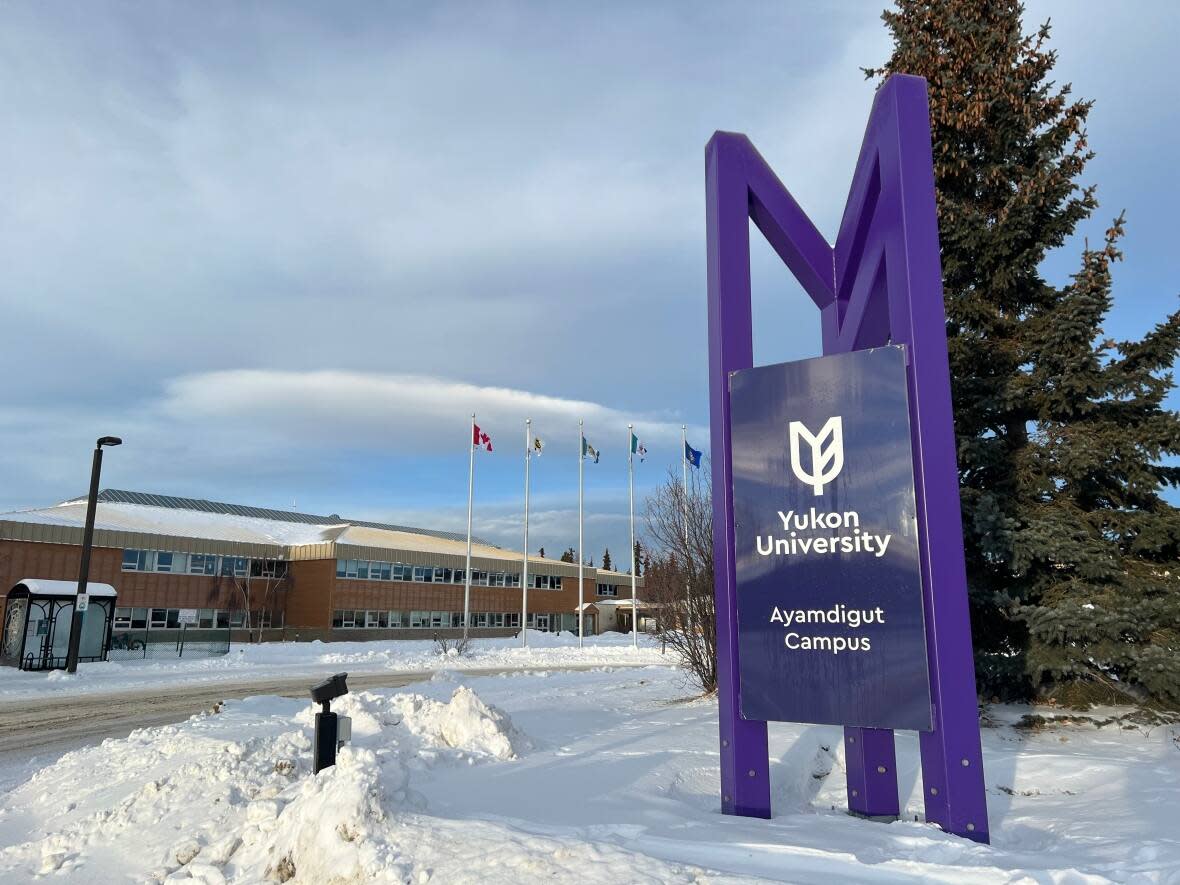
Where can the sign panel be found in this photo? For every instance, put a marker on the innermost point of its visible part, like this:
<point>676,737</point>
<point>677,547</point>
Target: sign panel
<point>82,601</point>
<point>829,589</point>
<point>188,616</point>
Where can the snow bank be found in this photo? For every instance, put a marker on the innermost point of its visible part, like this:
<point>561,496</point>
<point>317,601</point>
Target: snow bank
<point>596,777</point>
<point>464,723</point>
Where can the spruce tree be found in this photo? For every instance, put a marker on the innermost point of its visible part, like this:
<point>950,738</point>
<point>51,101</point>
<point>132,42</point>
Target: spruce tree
<point>1072,554</point>
<point>606,561</point>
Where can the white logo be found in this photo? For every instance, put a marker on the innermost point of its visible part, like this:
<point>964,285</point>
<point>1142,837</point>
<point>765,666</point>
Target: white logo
<point>826,462</point>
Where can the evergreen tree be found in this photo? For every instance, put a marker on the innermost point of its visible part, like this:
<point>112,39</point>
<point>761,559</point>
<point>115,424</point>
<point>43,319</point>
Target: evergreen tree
<point>1072,555</point>
<point>570,555</point>
<point>541,552</point>
<point>606,563</point>
<point>638,559</point>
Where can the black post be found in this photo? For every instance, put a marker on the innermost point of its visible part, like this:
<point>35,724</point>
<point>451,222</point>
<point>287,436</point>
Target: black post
<point>324,742</point>
<point>87,542</point>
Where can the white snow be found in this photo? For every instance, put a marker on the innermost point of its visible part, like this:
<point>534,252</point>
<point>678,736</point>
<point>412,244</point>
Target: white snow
<point>274,660</point>
<point>590,777</point>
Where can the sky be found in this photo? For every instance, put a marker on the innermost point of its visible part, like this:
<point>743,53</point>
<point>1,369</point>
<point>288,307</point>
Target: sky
<point>286,249</point>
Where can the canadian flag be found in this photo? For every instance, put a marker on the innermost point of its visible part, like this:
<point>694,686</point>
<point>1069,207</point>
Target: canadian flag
<point>479,438</point>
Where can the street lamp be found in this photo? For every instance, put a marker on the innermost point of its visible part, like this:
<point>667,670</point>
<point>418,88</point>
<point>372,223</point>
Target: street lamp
<point>80,600</point>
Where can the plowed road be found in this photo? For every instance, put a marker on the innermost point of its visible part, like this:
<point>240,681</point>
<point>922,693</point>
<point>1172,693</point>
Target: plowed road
<point>52,725</point>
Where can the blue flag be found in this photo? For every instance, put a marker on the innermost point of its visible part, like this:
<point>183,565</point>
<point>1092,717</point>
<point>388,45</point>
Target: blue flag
<point>692,456</point>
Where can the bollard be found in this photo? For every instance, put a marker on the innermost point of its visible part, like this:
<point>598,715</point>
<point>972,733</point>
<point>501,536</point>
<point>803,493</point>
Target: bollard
<point>327,724</point>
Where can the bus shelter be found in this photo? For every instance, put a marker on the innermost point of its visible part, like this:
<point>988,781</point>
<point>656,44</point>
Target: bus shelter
<point>37,617</point>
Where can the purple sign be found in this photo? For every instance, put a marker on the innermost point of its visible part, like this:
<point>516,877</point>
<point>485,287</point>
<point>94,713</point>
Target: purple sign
<point>829,582</point>
<point>878,284</point>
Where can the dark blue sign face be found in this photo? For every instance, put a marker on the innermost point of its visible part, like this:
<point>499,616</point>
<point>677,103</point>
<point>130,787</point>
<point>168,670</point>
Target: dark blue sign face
<point>829,589</point>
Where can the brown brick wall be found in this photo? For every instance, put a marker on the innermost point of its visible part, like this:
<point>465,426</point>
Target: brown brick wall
<point>25,559</point>
<point>313,591</point>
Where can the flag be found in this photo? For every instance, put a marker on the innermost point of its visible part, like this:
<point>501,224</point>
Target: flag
<point>538,445</point>
<point>588,451</point>
<point>692,456</point>
<point>637,448</point>
<point>479,438</point>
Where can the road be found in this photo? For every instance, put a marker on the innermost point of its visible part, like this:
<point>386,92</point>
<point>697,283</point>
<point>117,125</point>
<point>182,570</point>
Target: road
<point>53,725</point>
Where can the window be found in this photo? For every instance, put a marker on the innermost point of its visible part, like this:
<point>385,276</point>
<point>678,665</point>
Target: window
<point>456,619</point>
<point>380,571</point>
<point>202,564</point>
<point>439,619</point>
<point>234,566</point>
<point>135,560</point>
<point>159,617</point>
<point>546,582</point>
<point>173,619</point>
<point>495,579</point>
<point>608,590</point>
<point>222,619</point>
<point>514,580</point>
<point>399,619</point>
<point>371,619</point>
<point>362,569</point>
<point>419,619</point>
<point>163,562</point>
<point>205,618</point>
<point>382,619</point>
<point>122,618</point>
<point>514,619</point>
<point>237,618</point>
<point>338,615</point>
<point>459,576</point>
<point>341,571</point>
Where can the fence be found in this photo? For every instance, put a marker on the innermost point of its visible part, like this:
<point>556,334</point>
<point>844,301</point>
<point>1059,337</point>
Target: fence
<point>133,645</point>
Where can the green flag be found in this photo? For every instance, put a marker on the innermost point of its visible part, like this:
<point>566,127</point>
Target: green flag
<point>638,448</point>
<point>588,451</point>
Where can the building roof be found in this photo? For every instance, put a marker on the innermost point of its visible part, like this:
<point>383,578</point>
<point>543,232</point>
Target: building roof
<point>200,505</point>
<point>126,519</point>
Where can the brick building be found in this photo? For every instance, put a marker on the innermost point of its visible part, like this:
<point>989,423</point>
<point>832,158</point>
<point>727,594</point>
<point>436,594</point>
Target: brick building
<point>293,574</point>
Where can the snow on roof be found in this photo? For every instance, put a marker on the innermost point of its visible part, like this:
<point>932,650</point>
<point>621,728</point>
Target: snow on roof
<point>183,523</point>
<point>174,522</point>
<point>42,587</point>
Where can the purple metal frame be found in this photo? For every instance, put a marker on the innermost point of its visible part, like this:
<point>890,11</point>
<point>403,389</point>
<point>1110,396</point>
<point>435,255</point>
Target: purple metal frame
<point>881,283</point>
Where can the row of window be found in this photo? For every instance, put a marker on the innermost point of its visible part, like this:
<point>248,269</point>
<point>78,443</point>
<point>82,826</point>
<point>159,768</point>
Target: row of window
<point>370,619</point>
<point>201,564</point>
<point>371,570</point>
<point>608,590</point>
<point>169,618</point>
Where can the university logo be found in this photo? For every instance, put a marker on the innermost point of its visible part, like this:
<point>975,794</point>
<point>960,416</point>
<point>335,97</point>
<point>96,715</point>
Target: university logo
<point>827,452</point>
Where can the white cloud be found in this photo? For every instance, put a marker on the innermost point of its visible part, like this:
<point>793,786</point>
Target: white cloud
<point>411,414</point>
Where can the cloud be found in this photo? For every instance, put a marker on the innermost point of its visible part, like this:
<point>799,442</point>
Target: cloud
<point>413,414</point>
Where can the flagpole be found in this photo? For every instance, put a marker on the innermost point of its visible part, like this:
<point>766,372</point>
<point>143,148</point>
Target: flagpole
<point>470,490</point>
<point>524,569</point>
<point>634,564</point>
<point>581,464</point>
<point>687,552</point>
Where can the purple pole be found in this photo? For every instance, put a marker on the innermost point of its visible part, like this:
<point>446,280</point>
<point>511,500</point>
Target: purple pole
<point>880,284</point>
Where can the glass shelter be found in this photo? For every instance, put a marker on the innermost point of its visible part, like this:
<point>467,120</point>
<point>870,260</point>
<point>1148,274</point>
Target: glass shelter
<point>37,616</point>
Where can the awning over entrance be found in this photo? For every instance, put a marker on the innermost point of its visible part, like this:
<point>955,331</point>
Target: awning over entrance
<point>43,587</point>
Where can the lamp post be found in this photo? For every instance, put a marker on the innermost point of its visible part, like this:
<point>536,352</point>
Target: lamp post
<point>87,542</point>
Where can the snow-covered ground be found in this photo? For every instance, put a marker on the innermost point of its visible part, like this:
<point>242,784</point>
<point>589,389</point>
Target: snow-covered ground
<point>290,659</point>
<point>606,776</point>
